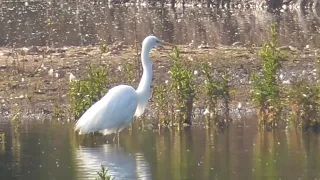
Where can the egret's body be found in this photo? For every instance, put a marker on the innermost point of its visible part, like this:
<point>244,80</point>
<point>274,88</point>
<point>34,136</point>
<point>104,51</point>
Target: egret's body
<point>116,109</point>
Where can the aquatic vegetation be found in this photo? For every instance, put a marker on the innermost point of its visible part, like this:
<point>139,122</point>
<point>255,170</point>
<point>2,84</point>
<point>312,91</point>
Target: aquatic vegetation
<point>16,119</point>
<point>211,89</point>
<point>225,91</point>
<point>103,47</point>
<point>2,137</point>
<point>160,95</point>
<point>83,93</point>
<point>57,111</point>
<point>103,174</point>
<point>265,88</point>
<point>182,86</point>
<point>304,101</point>
<point>216,89</point>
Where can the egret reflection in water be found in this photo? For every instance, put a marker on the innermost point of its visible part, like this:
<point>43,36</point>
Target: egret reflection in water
<point>120,163</point>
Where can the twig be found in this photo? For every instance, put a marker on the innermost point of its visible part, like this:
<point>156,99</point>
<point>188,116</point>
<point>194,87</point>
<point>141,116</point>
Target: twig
<point>136,43</point>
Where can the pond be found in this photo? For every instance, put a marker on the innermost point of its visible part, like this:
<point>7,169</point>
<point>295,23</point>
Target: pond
<point>51,150</point>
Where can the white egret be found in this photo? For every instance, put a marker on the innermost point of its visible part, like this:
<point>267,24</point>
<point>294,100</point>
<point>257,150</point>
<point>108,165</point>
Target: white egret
<point>116,109</point>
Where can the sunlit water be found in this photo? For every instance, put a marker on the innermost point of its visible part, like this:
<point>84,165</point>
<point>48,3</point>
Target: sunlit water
<point>85,23</point>
<point>52,151</point>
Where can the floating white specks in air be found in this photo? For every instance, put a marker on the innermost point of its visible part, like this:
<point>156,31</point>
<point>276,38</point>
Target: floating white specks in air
<point>71,77</point>
<point>50,72</point>
<point>195,72</point>
<point>206,111</point>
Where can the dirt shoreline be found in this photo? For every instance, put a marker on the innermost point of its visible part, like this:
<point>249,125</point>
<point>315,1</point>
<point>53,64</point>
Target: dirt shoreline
<point>37,78</point>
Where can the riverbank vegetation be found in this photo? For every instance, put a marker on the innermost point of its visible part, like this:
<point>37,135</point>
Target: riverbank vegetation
<point>177,96</point>
<point>188,85</point>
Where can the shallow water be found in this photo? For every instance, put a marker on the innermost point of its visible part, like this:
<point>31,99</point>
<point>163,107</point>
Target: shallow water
<point>84,23</point>
<point>50,150</point>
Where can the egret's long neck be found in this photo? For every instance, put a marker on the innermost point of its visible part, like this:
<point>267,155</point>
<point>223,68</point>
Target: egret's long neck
<point>143,90</point>
<point>145,83</point>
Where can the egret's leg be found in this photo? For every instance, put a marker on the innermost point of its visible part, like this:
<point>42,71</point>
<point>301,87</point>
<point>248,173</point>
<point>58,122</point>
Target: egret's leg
<point>114,137</point>
<point>118,137</point>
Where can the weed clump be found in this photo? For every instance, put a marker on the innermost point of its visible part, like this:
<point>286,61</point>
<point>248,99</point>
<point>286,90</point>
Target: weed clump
<point>225,91</point>
<point>216,89</point>
<point>103,174</point>
<point>2,137</point>
<point>265,88</point>
<point>84,93</point>
<point>304,101</point>
<point>103,47</point>
<point>183,87</point>
<point>16,119</point>
<point>161,102</point>
<point>128,73</point>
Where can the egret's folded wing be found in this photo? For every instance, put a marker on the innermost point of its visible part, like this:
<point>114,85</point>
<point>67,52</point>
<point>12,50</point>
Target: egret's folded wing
<point>115,109</point>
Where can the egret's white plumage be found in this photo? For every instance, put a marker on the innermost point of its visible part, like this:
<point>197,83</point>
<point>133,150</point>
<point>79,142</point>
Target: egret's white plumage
<point>119,104</point>
<point>116,109</point>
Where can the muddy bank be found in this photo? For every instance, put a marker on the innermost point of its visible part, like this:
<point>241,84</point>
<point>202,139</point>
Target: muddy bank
<point>35,80</point>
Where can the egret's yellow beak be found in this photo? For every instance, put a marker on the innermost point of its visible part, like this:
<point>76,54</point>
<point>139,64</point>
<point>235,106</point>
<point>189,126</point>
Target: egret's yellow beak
<point>167,44</point>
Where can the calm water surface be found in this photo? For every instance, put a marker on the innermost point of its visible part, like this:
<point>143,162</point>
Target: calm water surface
<point>51,150</point>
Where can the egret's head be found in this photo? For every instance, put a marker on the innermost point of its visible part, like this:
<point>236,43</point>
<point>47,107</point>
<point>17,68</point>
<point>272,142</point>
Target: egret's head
<point>152,41</point>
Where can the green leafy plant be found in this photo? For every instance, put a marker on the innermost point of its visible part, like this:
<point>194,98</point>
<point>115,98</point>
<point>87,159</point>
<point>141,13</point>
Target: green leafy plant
<point>182,85</point>
<point>216,89</point>
<point>2,137</point>
<point>103,174</point>
<point>304,101</point>
<point>84,93</point>
<point>16,119</point>
<point>225,91</point>
<point>161,102</point>
<point>265,88</point>
<point>103,47</point>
